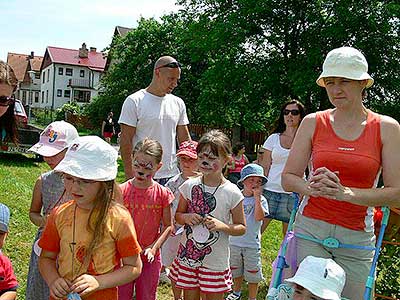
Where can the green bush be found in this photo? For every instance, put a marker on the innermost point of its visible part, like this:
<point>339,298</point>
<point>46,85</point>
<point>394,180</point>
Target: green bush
<point>71,108</point>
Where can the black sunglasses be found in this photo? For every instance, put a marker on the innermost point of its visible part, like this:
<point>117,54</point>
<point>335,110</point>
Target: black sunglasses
<point>6,101</point>
<point>294,112</point>
<point>173,65</point>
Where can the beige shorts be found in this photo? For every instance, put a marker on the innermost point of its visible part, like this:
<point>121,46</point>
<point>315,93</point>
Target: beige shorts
<point>356,263</point>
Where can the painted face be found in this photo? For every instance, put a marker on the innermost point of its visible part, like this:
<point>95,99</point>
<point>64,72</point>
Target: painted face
<point>208,162</point>
<point>144,167</point>
<point>301,293</point>
<point>252,182</point>
<point>188,165</point>
<point>168,79</point>
<point>5,90</point>
<point>54,160</point>
<point>84,191</point>
<point>291,115</point>
<point>343,92</point>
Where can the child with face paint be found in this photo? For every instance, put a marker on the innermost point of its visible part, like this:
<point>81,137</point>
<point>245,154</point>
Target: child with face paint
<point>149,205</point>
<point>211,209</point>
<point>187,158</point>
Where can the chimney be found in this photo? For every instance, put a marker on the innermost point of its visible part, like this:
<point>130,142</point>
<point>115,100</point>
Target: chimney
<point>32,56</point>
<point>83,51</point>
<point>93,49</point>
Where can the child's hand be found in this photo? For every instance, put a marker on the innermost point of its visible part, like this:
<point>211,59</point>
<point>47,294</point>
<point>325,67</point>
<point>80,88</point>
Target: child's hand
<point>60,288</point>
<point>193,219</point>
<point>149,253</point>
<point>214,224</point>
<point>257,192</point>
<point>85,284</point>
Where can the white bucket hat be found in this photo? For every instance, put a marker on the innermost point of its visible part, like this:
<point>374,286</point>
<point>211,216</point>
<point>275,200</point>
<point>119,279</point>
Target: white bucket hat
<point>89,157</point>
<point>345,62</point>
<point>55,138</point>
<point>321,276</point>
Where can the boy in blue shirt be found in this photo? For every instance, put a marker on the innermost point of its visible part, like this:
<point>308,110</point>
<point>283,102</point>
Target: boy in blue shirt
<point>245,250</point>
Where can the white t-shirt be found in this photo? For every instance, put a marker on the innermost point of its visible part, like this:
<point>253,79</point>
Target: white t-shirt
<point>279,157</point>
<point>199,246</point>
<point>156,118</point>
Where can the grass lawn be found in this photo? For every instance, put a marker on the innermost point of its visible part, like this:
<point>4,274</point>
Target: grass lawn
<point>18,174</point>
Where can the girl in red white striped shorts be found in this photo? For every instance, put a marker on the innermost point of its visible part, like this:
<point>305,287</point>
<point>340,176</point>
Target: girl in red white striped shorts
<point>211,209</point>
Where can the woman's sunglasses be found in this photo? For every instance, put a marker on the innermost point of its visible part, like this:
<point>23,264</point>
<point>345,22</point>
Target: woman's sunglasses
<point>6,101</point>
<point>294,112</point>
<point>173,65</point>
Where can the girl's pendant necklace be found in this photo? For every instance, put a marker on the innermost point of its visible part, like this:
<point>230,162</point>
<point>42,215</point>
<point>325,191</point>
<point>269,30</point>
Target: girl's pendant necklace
<point>206,195</point>
<point>73,296</point>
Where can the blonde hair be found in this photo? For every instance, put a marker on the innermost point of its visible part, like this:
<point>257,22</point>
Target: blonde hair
<point>149,147</point>
<point>7,74</point>
<point>219,143</point>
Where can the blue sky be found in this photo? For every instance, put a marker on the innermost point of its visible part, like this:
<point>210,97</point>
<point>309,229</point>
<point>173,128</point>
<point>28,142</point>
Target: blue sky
<point>32,25</point>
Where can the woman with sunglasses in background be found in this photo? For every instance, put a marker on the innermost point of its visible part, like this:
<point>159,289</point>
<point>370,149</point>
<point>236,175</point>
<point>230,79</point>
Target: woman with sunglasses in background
<point>276,151</point>
<point>8,83</point>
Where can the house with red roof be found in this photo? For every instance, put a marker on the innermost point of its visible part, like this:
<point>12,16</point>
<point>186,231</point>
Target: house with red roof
<point>27,70</point>
<point>70,75</point>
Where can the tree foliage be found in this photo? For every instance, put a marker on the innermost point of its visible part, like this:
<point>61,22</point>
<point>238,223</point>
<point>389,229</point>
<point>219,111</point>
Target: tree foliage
<point>243,58</point>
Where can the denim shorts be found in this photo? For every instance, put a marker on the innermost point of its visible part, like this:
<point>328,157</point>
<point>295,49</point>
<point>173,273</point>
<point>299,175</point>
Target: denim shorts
<point>280,205</point>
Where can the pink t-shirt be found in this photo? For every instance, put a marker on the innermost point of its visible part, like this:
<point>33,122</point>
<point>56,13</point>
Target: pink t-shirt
<point>7,276</point>
<point>146,208</point>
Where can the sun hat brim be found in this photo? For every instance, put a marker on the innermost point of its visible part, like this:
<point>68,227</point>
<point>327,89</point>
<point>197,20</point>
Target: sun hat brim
<point>364,76</point>
<point>315,287</point>
<point>45,150</point>
<point>264,179</point>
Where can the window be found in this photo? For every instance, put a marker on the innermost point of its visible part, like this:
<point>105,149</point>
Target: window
<point>47,96</point>
<point>82,96</point>
<point>48,75</point>
<point>24,96</point>
<point>82,73</point>
<point>36,97</point>
<point>60,71</point>
<point>42,97</point>
<point>43,76</point>
<point>37,75</point>
<point>59,93</point>
<point>67,93</point>
<point>68,71</point>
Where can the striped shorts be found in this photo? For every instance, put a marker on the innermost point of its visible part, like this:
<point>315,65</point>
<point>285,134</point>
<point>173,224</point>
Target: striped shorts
<point>204,279</point>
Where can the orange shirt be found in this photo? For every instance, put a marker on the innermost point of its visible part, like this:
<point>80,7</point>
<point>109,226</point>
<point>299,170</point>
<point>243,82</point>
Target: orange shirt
<point>358,163</point>
<point>119,241</point>
<point>146,207</point>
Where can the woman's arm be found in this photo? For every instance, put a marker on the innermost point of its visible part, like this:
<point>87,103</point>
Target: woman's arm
<point>266,161</point>
<point>10,295</point>
<point>300,152</point>
<point>59,287</point>
<point>35,211</point>
<point>246,159</point>
<point>238,226</point>
<point>130,270</point>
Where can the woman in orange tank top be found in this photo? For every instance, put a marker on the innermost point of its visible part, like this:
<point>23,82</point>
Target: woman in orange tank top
<point>348,147</point>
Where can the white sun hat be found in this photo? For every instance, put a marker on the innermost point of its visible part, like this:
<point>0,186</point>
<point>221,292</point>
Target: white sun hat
<point>320,276</point>
<point>90,157</point>
<point>345,62</point>
<point>55,138</point>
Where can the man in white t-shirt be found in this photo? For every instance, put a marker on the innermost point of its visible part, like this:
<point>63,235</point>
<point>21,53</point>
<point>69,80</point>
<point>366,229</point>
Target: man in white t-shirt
<point>155,113</point>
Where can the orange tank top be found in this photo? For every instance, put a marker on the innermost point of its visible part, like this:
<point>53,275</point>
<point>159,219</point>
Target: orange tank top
<point>358,163</point>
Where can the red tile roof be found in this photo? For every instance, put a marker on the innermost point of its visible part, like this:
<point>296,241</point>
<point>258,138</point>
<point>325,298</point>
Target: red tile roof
<point>95,60</point>
<point>19,63</point>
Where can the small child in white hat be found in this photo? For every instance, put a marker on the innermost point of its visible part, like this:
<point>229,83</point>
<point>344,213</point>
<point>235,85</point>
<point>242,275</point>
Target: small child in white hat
<point>48,193</point>
<point>316,279</point>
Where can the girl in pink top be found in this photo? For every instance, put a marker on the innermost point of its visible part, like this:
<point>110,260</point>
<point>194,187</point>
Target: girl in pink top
<point>349,146</point>
<point>237,162</point>
<point>149,204</point>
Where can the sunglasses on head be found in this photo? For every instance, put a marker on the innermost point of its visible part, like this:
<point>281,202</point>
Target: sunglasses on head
<point>294,112</point>
<point>173,65</point>
<point>6,101</point>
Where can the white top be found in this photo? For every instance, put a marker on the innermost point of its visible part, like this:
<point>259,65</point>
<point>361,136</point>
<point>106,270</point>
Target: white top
<point>198,246</point>
<point>156,117</point>
<point>279,157</point>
